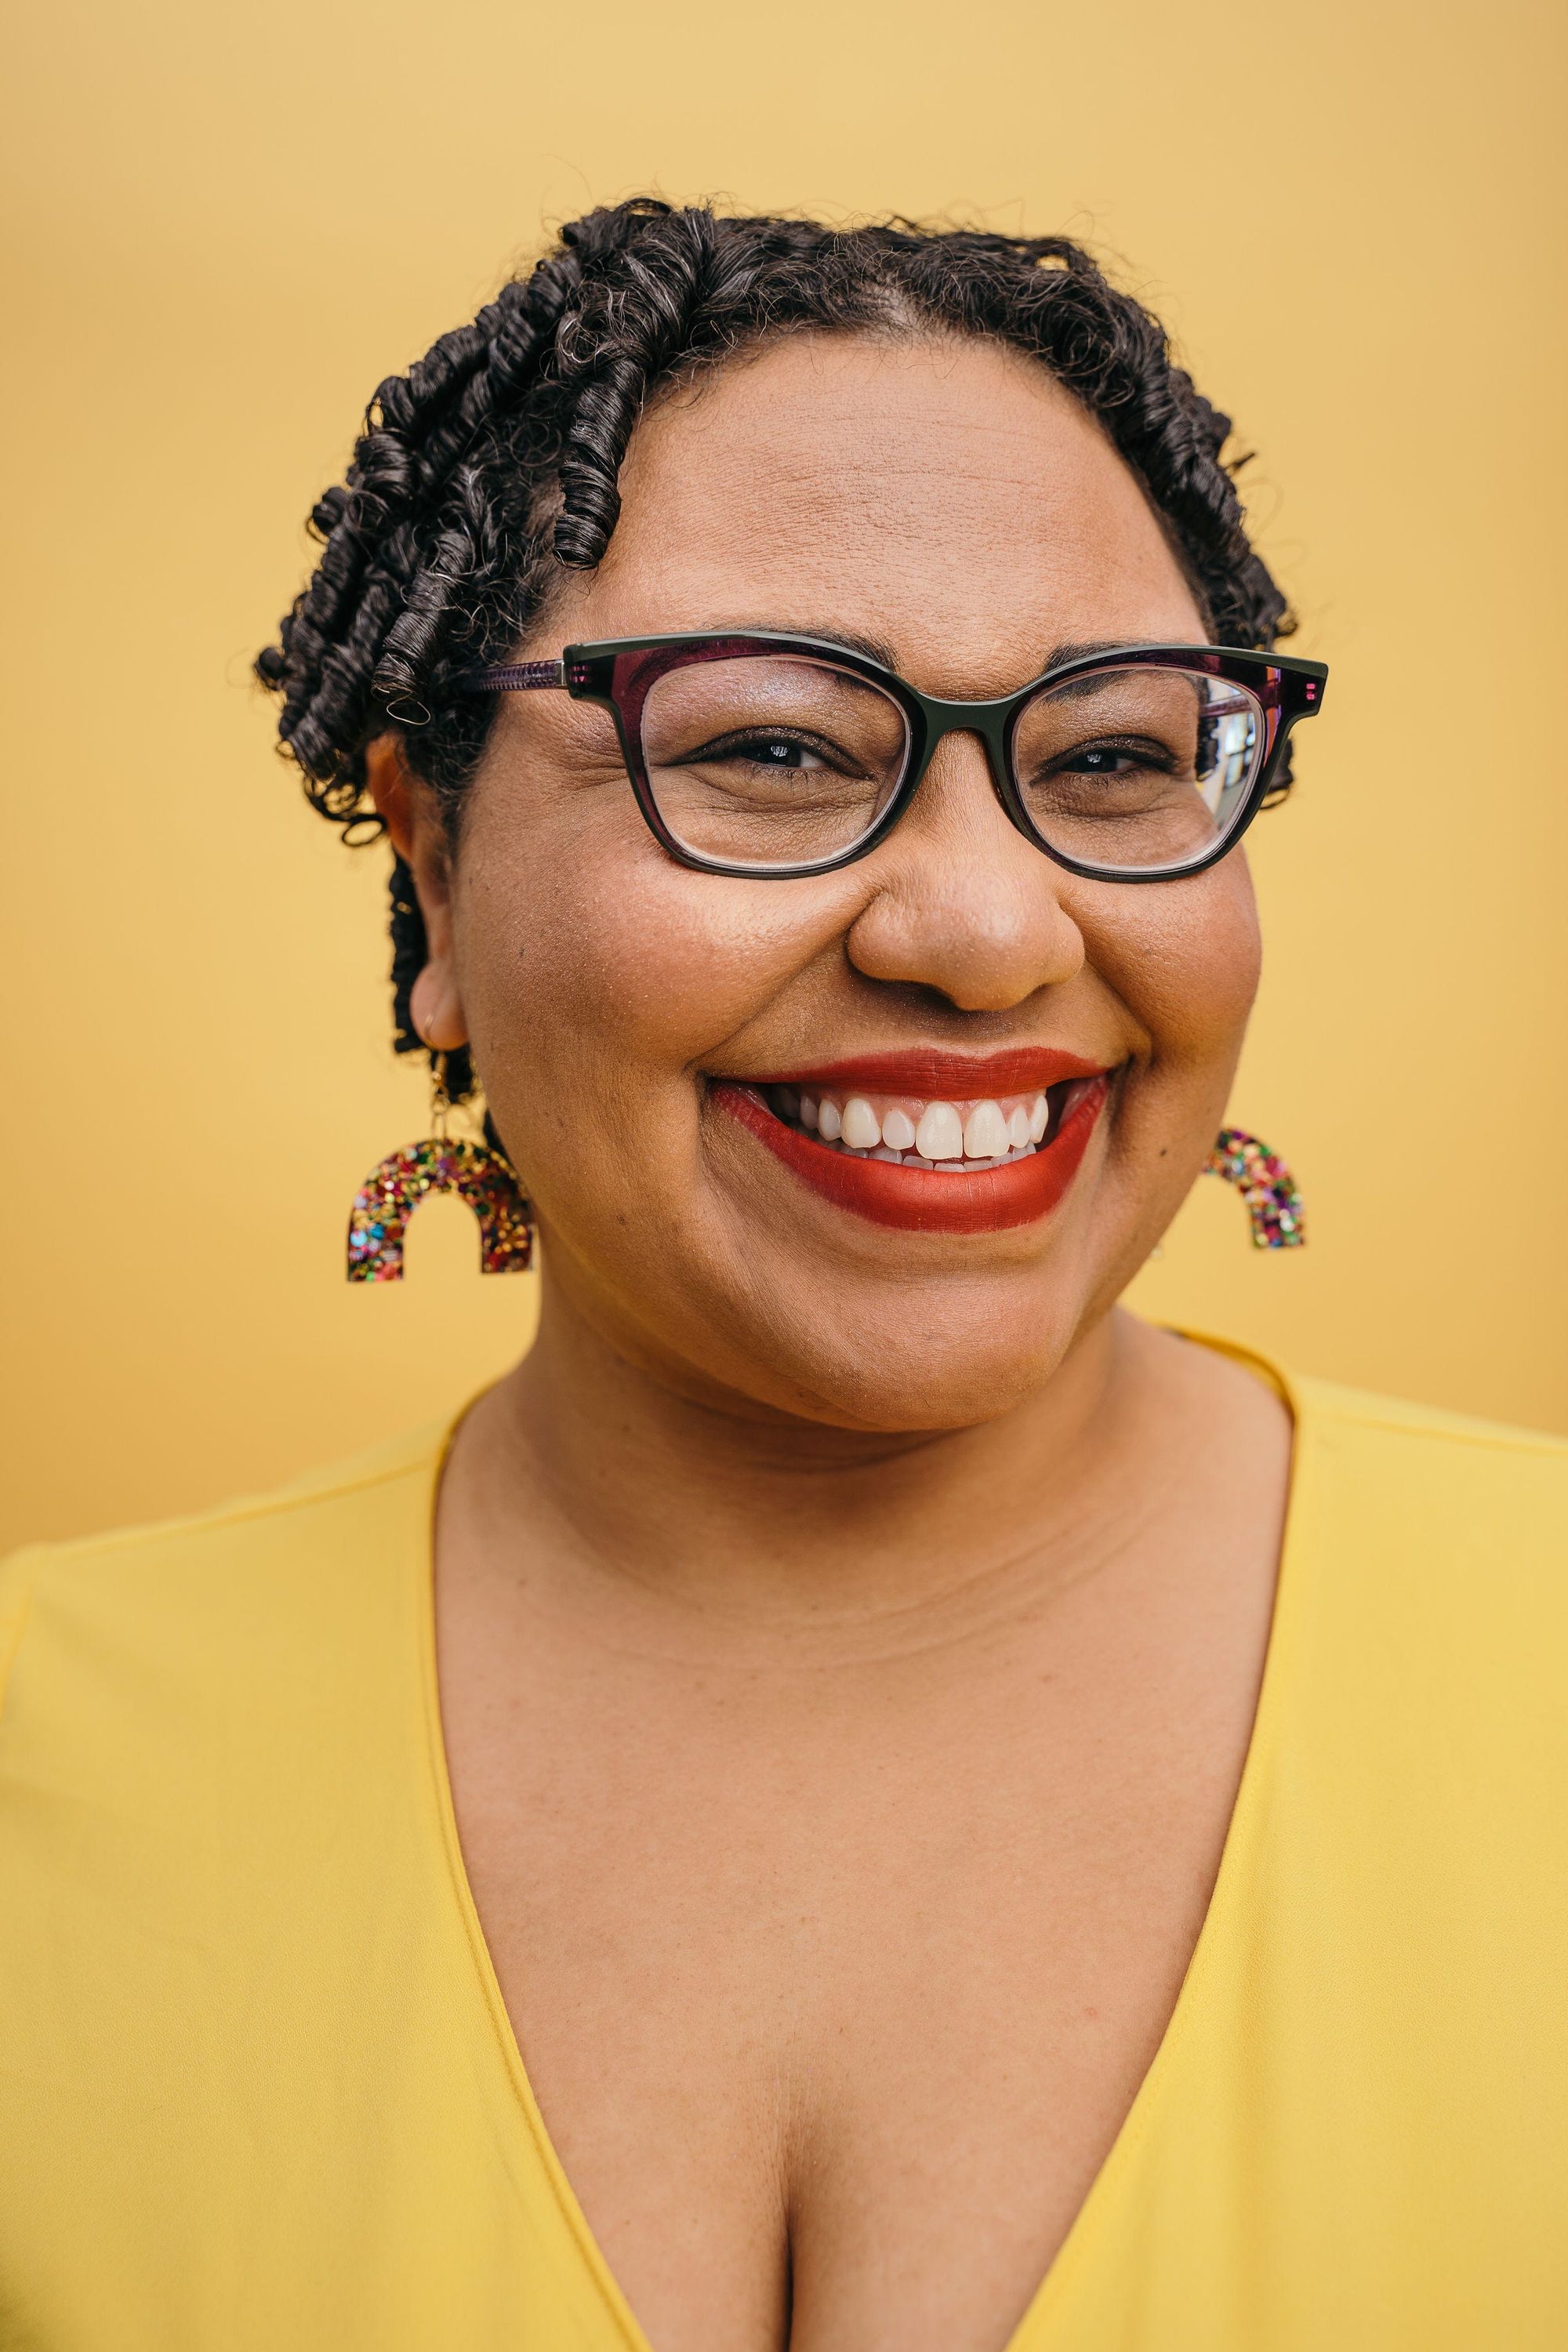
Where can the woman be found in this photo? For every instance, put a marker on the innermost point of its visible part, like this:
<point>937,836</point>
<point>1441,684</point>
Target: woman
<point>924,1813</point>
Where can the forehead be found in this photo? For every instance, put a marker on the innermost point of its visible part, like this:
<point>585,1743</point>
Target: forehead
<point>946,496</point>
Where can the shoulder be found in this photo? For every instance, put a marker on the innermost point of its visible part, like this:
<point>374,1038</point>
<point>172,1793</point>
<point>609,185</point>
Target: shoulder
<point>1425,1565</point>
<point>228,1576</point>
<point>1427,1425</point>
<point>1388,1479</point>
<point>218,1781</point>
<point>1424,1606</point>
<point>1472,1490</point>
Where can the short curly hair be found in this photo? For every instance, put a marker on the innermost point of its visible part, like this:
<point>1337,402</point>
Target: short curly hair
<point>493,463</point>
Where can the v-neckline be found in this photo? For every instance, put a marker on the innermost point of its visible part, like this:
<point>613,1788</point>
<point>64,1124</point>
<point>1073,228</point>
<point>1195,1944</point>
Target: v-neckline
<point>1090,2223</point>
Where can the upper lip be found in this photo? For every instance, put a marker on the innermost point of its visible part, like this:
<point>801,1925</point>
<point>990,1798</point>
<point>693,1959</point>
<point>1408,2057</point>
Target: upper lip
<point>934,1074</point>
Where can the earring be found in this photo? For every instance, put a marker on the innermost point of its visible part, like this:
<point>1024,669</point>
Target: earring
<point>1265,1183</point>
<point>378,1221</point>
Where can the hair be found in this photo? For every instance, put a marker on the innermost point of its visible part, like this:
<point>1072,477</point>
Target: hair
<point>492,464</point>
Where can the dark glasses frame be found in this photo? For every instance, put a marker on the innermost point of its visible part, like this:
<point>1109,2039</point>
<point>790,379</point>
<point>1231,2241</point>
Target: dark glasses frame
<point>619,674</point>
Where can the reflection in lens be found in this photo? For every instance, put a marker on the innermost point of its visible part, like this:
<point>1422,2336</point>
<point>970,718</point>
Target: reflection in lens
<point>1138,767</point>
<point>771,760</point>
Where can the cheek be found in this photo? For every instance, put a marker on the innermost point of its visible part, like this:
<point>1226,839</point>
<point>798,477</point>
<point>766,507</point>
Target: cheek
<point>603,974</point>
<point>1184,960</point>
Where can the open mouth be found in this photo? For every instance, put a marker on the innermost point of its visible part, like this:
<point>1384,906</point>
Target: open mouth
<point>923,1141</point>
<point>946,1138</point>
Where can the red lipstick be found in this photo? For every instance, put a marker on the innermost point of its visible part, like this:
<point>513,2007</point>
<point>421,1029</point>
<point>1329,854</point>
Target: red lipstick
<point>938,1077</point>
<point>920,1200</point>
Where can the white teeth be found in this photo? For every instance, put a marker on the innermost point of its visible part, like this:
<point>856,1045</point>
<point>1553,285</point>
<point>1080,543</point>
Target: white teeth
<point>985,1132</point>
<point>944,1139</point>
<point>940,1134</point>
<point>860,1127</point>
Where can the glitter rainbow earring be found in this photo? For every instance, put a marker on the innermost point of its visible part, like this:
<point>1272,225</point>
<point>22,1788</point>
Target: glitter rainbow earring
<point>1266,1184</point>
<point>378,1221</point>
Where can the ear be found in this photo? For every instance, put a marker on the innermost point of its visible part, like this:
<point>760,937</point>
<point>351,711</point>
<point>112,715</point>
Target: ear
<point>407,807</point>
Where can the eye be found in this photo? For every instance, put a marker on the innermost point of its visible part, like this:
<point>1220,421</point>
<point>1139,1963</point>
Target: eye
<point>1112,759</point>
<point>777,752</point>
<point>781,751</point>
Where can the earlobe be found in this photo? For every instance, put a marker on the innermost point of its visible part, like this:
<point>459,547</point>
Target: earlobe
<point>407,809</point>
<point>436,1008</point>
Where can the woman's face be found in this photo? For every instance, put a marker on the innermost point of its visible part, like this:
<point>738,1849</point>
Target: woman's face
<point>633,1021</point>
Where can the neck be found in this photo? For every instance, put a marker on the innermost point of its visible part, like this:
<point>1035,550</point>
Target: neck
<point>792,1525</point>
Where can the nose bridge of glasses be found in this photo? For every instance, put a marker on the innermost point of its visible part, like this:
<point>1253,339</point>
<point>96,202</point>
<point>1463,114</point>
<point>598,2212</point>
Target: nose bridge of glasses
<point>988,720</point>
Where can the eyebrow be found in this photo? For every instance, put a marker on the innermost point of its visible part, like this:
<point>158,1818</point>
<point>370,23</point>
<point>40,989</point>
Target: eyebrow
<point>825,632</point>
<point>1086,649</point>
<point>874,649</point>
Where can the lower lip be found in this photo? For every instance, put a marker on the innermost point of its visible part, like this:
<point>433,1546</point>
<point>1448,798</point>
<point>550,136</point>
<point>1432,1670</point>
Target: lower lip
<point>913,1198</point>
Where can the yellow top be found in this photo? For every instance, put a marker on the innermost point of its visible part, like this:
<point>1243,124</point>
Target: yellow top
<point>259,2092</point>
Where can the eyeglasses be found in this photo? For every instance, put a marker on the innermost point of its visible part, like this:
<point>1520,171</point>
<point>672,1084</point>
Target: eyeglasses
<point>782,756</point>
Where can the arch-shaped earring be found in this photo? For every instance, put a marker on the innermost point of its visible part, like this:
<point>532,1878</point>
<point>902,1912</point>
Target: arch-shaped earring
<point>1266,1184</point>
<point>378,1221</point>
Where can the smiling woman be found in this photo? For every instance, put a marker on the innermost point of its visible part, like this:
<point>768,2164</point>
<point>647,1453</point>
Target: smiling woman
<point>860,1796</point>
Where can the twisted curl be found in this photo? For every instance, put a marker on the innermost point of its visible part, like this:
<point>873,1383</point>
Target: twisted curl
<point>494,462</point>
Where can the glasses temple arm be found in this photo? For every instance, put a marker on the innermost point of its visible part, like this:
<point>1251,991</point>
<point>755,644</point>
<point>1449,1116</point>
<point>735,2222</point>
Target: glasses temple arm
<point>513,677</point>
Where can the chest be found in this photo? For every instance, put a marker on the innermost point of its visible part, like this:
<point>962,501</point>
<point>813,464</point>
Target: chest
<point>835,1982</point>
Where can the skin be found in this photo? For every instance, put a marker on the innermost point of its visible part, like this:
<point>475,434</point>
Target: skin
<point>849,1638</point>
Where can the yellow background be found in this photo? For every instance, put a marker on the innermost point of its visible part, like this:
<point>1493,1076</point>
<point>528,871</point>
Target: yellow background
<point>228,222</point>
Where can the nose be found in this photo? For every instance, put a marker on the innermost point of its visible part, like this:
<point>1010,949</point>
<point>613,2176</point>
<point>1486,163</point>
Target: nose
<point>961,902</point>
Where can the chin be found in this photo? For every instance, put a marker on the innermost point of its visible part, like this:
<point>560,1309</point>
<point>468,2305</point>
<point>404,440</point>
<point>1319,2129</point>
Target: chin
<point>932,1368</point>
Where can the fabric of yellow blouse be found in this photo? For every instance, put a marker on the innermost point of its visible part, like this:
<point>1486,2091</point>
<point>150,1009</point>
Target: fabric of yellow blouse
<point>259,2092</point>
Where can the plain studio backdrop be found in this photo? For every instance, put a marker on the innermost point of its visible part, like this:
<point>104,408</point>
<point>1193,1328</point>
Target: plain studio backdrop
<point>228,223</point>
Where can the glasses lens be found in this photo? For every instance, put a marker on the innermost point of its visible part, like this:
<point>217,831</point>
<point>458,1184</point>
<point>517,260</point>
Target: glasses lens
<point>1138,767</point>
<point>771,760</point>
